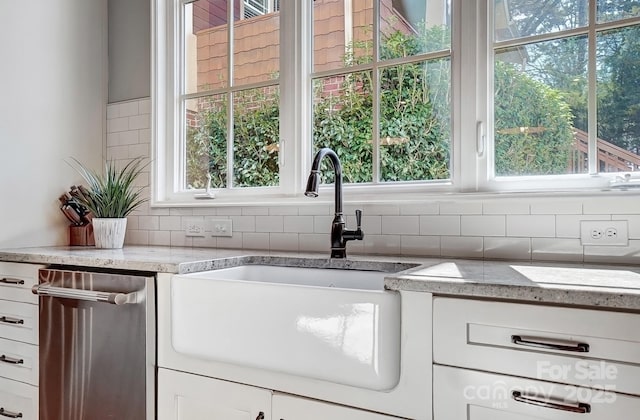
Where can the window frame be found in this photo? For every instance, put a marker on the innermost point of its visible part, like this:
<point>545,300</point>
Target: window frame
<point>471,162</point>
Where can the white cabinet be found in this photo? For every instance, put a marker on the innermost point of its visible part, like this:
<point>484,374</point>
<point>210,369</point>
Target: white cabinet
<point>464,394</point>
<point>18,341</point>
<point>287,407</point>
<point>513,361</point>
<point>184,396</point>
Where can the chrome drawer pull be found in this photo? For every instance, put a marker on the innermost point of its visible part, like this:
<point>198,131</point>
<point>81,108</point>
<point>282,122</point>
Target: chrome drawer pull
<point>9,320</point>
<point>9,414</point>
<point>580,408</point>
<point>11,281</point>
<point>11,360</point>
<point>550,345</point>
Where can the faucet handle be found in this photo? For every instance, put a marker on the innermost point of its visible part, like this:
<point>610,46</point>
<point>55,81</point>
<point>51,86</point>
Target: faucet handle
<point>358,219</point>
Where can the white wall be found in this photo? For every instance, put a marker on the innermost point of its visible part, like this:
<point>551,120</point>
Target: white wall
<point>52,106</point>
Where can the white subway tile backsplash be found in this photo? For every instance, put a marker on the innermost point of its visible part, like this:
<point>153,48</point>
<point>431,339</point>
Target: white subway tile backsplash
<point>507,248</point>
<point>144,106</point>
<point>228,211</point>
<point>426,246</point>
<point>461,246</point>
<point>149,222</point>
<point>235,242</point>
<point>377,244</point>
<point>170,223</point>
<point>127,109</point>
<point>159,238</point>
<point>299,224</point>
<point>440,225</point>
<point>243,223</point>
<point>283,241</point>
<point>500,206</point>
<point>314,242</point>
<point>269,223</point>
<point>633,222</point>
<point>614,205</point>
<point>144,136</point>
<point>536,226</point>
<point>315,210</point>
<point>251,240</point>
<point>418,209</point>
<point>137,237</point>
<point>461,207</point>
<point>139,122</point>
<point>254,211</point>
<point>400,225</point>
<point>556,207</point>
<point>138,150</point>
<point>555,249</point>
<point>381,209</point>
<point>117,125</point>
<point>205,242</point>
<point>371,225</point>
<point>490,225</point>
<point>283,211</point>
<point>322,224</point>
<point>178,238</point>
<point>613,254</point>
<point>568,226</point>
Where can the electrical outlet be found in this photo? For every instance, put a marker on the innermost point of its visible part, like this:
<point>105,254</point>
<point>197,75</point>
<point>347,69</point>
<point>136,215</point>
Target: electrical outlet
<point>195,227</point>
<point>221,227</point>
<point>604,232</point>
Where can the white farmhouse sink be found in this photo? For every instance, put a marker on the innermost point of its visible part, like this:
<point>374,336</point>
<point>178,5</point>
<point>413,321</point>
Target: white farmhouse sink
<point>337,325</point>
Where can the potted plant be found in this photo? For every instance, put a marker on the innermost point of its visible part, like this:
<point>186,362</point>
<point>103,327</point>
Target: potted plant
<point>111,197</point>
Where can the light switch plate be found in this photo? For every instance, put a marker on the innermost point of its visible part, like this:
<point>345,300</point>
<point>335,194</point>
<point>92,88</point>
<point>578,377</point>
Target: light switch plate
<point>221,227</point>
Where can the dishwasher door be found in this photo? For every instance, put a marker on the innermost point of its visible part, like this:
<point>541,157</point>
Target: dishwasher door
<point>97,345</point>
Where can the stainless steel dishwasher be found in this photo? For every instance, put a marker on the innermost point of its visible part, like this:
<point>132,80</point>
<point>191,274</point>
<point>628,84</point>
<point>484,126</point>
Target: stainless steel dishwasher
<point>97,345</point>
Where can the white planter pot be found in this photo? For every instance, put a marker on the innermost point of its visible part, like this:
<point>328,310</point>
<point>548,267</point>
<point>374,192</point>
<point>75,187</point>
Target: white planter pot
<point>109,233</point>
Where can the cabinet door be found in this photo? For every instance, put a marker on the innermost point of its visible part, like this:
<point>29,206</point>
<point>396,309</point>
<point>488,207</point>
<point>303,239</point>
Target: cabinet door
<point>183,396</point>
<point>462,394</point>
<point>286,407</point>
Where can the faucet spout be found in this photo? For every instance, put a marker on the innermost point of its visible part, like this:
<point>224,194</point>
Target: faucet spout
<point>339,234</point>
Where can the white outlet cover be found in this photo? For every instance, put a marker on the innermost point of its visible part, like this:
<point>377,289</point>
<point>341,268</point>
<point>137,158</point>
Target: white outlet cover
<point>611,232</point>
<point>221,227</point>
<point>195,228</point>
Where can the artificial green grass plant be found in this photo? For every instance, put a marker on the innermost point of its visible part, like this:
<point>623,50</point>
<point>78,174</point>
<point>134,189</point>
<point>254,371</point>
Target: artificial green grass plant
<point>112,195</point>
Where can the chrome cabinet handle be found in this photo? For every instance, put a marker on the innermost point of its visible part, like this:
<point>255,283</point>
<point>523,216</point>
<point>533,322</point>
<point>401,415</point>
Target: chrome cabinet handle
<point>11,360</point>
<point>580,408</point>
<point>9,320</point>
<point>7,280</point>
<point>542,344</point>
<point>9,414</point>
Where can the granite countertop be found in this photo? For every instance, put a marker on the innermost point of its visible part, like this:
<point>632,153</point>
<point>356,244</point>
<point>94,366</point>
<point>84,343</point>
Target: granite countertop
<point>607,286</point>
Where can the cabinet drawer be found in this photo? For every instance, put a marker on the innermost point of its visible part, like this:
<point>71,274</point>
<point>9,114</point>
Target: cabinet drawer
<point>462,394</point>
<point>16,281</point>
<point>18,400</point>
<point>19,361</point>
<point>591,348</point>
<point>19,321</point>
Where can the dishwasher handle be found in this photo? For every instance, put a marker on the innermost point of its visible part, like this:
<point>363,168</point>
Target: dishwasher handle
<point>48,289</point>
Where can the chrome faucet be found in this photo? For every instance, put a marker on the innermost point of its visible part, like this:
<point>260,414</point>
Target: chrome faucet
<point>339,235</point>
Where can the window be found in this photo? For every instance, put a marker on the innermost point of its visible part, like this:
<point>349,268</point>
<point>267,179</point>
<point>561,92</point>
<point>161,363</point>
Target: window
<point>414,96</point>
<point>564,87</point>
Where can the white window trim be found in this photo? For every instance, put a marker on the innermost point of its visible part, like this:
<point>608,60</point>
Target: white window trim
<point>471,154</point>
